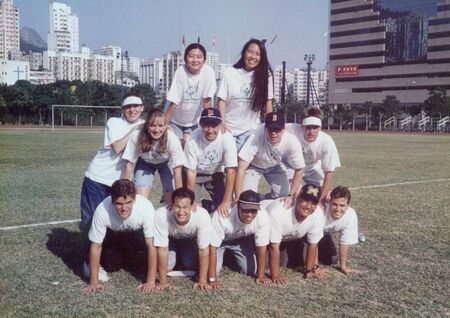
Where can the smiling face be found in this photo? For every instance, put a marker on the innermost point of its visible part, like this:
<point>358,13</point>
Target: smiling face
<point>274,135</point>
<point>311,132</point>
<point>247,216</point>
<point>124,206</point>
<point>210,129</point>
<point>252,57</point>
<point>194,61</point>
<point>182,209</point>
<point>304,208</point>
<point>157,127</point>
<point>132,112</point>
<point>338,207</point>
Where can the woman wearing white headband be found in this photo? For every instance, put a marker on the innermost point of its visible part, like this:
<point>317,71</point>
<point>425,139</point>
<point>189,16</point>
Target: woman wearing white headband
<point>319,150</point>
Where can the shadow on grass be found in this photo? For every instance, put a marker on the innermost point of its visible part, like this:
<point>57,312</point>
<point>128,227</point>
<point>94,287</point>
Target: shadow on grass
<point>68,246</point>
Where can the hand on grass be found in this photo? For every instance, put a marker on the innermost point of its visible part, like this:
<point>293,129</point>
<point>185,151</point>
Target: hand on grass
<point>202,286</point>
<point>349,271</point>
<point>91,288</point>
<point>280,280</point>
<point>318,273</point>
<point>147,287</point>
<point>216,285</point>
<point>263,281</point>
<point>163,287</point>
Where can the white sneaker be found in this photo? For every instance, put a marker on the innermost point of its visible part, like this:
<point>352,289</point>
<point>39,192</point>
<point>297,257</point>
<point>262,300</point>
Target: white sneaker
<point>102,274</point>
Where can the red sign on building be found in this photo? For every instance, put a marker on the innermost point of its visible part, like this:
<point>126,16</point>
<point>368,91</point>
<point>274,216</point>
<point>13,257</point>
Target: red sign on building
<point>346,70</point>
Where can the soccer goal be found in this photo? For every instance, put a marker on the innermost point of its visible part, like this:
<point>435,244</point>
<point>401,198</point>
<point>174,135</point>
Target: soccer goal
<point>77,111</point>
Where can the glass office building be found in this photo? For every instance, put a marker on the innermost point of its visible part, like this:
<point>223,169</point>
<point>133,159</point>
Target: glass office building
<point>388,47</point>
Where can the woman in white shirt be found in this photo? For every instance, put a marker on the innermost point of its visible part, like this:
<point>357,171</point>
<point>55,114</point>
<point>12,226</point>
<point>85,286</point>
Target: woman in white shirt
<point>246,90</point>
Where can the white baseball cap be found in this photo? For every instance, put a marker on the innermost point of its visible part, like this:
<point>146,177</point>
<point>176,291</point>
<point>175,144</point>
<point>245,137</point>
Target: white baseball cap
<point>131,100</point>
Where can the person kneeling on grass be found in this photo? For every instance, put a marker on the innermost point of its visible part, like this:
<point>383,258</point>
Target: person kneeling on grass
<point>340,217</point>
<point>289,226</point>
<point>184,231</point>
<point>114,219</point>
<point>247,226</point>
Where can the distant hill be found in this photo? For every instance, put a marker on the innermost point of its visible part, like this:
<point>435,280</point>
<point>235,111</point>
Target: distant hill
<point>31,41</point>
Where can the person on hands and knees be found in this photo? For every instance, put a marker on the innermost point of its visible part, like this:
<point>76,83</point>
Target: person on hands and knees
<point>340,218</point>
<point>115,220</point>
<point>211,161</point>
<point>267,152</point>
<point>288,226</point>
<point>244,233</point>
<point>182,232</point>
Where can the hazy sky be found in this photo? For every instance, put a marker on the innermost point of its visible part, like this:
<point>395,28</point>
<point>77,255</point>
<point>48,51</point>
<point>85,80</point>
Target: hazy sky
<point>150,28</point>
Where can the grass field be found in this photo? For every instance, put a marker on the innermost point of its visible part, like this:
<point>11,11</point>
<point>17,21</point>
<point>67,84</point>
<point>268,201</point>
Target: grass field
<point>405,260</point>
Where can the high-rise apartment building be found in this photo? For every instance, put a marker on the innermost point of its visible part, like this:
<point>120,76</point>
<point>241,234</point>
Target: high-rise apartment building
<point>212,59</point>
<point>388,47</point>
<point>318,88</point>
<point>9,29</point>
<point>112,51</point>
<point>171,62</point>
<point>152,73</point>
<point>63,29</point>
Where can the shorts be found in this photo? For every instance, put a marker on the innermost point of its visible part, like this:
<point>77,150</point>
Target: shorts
<point>144,175</point>
<point>181,130</point>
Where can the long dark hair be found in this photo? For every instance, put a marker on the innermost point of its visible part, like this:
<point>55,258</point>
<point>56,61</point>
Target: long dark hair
<point>145,139</point>
<point>260,80</point>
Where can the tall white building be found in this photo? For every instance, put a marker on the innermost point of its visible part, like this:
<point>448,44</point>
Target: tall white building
<point>212,59</point>
<point>318,89</point>
<point>9,29</point>
<point>171,62</point>
<point>113,51</point>
<point>63,33</point>
<point>133,67</point>
<point>152,73</point>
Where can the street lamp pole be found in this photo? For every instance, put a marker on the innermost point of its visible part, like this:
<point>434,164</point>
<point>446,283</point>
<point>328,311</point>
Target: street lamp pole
<point>309,58</point>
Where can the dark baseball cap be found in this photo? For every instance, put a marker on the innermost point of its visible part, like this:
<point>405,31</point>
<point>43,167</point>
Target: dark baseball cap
<point>210,115</point>
<point>275,120</point>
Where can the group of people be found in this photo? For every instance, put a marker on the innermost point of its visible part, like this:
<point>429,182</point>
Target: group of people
<point>224,150</point>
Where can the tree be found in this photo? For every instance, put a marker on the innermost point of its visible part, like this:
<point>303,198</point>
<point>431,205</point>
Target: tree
<point>146,92</point>
<point>438,103</point>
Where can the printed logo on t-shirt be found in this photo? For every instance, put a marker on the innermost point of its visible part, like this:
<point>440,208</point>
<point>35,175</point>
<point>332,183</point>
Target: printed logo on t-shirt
<point>290,236</point>
<point>191,90</point>
<point>212,156</point>
<point>246,90</point>
<point>307,153</point>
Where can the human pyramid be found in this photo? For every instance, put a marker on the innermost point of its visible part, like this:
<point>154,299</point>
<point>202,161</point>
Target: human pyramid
<point>224,150</point>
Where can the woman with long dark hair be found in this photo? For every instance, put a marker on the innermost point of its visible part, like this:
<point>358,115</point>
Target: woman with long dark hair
<point>246,91</point>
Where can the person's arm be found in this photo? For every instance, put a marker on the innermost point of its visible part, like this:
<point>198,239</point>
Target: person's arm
<point>119,145</point>
<point>206,102</point>
<point>221,108</point>
<point>261,266</point>
<point>225,205</point>
<point>203,262</point>
<point>212,274</point>
<point>242,166</point>
<point>191,176</point>
<point>177,177</point>
<point>94,266</point>
<point>311,271</point>
<point>170,110</point>
<point>127,172</point>
<point>163,255</point>
<point>294,190</point>
<point>344,251</point>
<point>269,106</point>
<point>274,264</point>
<point>326,186</point>
<point>149,285</point>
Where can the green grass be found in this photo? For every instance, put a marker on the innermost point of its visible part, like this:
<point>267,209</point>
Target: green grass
<point>405,260</point>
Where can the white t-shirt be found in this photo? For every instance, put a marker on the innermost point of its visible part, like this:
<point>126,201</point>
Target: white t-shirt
<point>285,227</point>
<point>320,155</point>
<point>198,226</point>
<point>235,89</point>
<point>105,216</point>
<point>230,228</point>
<point>154,156</point>
<point>187,91</point>
<point>107,166</point>
<point>210,156</point>
<point>347,225</point>
<point>262,154</point>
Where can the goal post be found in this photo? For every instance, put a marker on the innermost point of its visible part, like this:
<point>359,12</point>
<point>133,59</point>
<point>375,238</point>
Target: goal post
<point>82,107</point>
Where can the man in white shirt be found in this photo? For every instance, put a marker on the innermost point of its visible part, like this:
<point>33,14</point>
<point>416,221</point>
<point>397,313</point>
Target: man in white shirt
<point>248,225</point>
<point>288,225</point>
<point>107,165</point>
<point>267,152</point>
<point>123,212</point>
<point>208,151</point>
<point>182,232</point>
<point>319,150</point>
<point>340,218</point>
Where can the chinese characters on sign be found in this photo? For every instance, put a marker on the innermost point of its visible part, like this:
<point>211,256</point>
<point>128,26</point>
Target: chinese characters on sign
<point>346,70</point>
